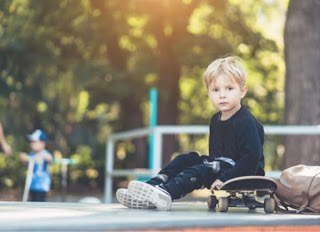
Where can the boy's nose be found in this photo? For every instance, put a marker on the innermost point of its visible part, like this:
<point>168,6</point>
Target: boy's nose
<point>222,93</point>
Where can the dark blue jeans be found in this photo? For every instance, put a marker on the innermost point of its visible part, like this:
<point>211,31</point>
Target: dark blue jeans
<point>187,172</point>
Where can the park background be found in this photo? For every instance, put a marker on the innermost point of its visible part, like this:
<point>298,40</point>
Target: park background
<point>82,70</point>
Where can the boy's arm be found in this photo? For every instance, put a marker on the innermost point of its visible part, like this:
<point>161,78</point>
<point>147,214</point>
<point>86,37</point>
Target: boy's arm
<point>210,140</point>
<point>250,151</point>
<point>47,158</point>
<point>44,155</point>
<point>24,157</point>
<point>5,146</point>
<point>211,126</point>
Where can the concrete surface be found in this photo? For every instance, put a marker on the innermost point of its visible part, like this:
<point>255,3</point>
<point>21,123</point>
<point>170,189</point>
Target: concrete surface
<point>52,216</point>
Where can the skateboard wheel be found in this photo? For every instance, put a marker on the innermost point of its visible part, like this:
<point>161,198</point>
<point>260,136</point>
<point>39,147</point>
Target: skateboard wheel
<point>223,204</point>
<point>212,202</point>
<point>269,205</point>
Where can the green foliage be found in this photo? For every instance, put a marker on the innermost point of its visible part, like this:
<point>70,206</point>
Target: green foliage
<point>238,34</point>
<point>16,170</point>
<point>81,69</point>
<point>84,171</point>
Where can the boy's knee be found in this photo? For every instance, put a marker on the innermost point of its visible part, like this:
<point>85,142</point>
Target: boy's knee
<point>190,176</point>
<point>194,154</point>
<point>188,156</point>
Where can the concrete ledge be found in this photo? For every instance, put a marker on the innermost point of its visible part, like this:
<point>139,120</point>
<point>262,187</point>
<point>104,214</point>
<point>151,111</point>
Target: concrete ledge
<point>17,216</point>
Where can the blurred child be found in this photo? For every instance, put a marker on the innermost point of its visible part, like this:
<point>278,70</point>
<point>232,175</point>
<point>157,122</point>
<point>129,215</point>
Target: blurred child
<point>41,179</point>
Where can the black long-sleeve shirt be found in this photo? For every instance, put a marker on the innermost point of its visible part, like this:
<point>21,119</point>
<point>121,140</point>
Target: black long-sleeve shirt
<point>241,139</point>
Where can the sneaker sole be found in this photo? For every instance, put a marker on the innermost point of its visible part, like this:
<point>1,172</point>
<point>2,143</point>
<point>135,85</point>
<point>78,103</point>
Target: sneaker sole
<point>125,199</point>
<point>145,192</point>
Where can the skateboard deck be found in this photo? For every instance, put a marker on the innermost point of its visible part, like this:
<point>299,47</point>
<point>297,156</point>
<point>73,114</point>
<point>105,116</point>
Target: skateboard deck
<point>249,183</point>
<point>247,186</point>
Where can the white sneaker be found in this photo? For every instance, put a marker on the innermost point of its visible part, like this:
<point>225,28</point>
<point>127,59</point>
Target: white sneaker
<point>125,199</point>
<point>146,192</point>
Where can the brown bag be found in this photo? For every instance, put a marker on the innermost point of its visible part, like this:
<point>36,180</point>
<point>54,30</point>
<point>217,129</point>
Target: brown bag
<point>299,188</point>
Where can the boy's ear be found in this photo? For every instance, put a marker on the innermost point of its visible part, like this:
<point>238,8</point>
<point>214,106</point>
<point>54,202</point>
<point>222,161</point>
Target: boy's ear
<point>244,91</point>
<point>207,89</point>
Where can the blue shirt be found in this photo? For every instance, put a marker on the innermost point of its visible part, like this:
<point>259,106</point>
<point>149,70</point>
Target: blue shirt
<point>41,179</point>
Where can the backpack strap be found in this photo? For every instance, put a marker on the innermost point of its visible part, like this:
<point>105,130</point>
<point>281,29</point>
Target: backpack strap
<point>283,207</point>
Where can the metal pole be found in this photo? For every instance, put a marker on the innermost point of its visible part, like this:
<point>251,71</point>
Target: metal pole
<point>157,151</point>
<point>64,176</point>
<point>153,122</point>
<point>28,180</point>
<point>109,169</point>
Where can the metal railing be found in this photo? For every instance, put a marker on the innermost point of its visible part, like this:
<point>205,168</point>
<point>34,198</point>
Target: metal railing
<point>158,132</point>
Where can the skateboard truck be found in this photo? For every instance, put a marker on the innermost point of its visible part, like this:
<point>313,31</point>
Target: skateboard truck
<point>246,187</point>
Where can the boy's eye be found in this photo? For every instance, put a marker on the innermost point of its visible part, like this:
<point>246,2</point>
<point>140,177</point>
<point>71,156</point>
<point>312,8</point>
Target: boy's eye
<point>230,88</point>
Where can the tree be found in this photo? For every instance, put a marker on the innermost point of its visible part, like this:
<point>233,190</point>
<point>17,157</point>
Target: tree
<point>82,70</point>
<point>42,54</point>
<point>302,98</point>
<point>176,46</point>
<point>123,79</point>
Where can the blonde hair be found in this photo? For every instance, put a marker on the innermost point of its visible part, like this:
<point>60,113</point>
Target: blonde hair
<point>230,66</point>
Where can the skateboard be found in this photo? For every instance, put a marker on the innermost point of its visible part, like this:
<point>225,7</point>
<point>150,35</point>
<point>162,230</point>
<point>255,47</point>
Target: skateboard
<point>247,186</point>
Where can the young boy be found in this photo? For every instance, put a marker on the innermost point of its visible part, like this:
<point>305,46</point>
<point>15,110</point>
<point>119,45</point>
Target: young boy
<point>41,179</point>
<point>235,146</point>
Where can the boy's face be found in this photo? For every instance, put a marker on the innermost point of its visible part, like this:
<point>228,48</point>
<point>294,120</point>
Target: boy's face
<point>37,146</point>
<point>225,95</point>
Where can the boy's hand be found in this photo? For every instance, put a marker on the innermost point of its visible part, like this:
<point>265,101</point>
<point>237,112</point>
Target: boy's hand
<point>7,149</point>
<point>24,157</point>
<point>216,185</point>
<point>40,156</point>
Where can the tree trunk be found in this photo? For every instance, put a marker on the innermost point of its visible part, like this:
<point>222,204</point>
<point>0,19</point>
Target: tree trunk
<point>132,116</point>
<point>169,76</point>
<point>169,73</point>
<point>169,96</point>
<point>302,103</point>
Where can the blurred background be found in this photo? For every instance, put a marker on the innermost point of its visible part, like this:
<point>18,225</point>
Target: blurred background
<point>82,70</point>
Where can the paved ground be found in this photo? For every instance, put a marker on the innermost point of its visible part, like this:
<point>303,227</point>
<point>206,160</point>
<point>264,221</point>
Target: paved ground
<point>188,216</point>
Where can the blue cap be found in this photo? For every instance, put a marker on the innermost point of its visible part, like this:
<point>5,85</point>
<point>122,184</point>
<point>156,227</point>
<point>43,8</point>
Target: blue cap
<point>38,135</point>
